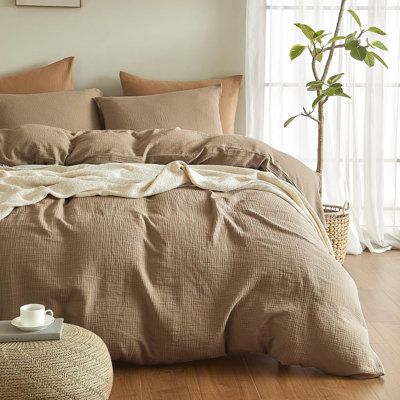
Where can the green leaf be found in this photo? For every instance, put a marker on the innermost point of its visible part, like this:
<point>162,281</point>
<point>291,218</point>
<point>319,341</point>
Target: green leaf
<point>374,29</point>
<point>359,53</point>
<point>336,38</point>
<point>378,58</point>
<point>343,95</point>
<point>296,50</point>
<point>318,33</point>
<point>329,92</point>
<point>335,90</point>
<point>307,30</point>
<point>351,43</point>
<point>351,35</point>
<point>313,88</point>
<point>338,91</point>
<point>379,45</point>
<point>369,59</point>
<point>355,16</point>
<point>319,38</point>
<point>314,83</point>
<point>290,120</point>
<point>319,55</point>
<point>317,100</point>
<point>335,78</point>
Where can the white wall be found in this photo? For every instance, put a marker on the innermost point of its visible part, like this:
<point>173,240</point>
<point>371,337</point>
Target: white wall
<point>159,39</point>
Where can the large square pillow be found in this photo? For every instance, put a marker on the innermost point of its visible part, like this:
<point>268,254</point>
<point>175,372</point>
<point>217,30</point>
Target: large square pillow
<point>196,110</point>
<point>133,85</point>
<point>51,78</point>
<point>71,110</point>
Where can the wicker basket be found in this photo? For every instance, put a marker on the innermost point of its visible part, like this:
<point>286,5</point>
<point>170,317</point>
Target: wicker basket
<point>337,227</point>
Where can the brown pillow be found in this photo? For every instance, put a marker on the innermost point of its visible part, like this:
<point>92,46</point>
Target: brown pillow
<point>72,110</point>
<point>195,109</point>
<point>99,147</point>
<point>34,144</point>
<point>51,78</point>
<point>133,85</point>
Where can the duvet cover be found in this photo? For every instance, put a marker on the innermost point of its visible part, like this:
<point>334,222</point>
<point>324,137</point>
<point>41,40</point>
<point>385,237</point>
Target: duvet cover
<point>175,245</point>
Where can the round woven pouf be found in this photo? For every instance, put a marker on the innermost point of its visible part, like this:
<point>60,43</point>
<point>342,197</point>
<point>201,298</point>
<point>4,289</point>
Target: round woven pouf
<point>76,367</point>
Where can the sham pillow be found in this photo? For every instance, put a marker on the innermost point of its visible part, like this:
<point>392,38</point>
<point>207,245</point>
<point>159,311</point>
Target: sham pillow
<point>55,77</point>
<point>133,85</point>
<point>196,109</point>
<point>72,110</point>
<point>34,144</point>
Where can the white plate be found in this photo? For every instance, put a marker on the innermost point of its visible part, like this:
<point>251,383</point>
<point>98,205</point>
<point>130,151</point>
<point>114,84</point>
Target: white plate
<point>48,320</point>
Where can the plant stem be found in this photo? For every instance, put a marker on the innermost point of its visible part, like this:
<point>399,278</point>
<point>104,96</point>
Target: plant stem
<point>313,66</point>
<point>332,49</point>
<point>320,160</point>
<point>336,46</point>
<point>311,117</point>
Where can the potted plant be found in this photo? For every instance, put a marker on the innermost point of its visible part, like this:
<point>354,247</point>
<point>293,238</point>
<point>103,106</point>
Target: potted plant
<point>321,47</point>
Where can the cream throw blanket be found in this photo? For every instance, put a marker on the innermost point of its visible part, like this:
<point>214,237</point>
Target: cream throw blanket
<point>29,184</point>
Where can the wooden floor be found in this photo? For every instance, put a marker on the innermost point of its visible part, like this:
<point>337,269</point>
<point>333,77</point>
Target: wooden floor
<point>259,377</point>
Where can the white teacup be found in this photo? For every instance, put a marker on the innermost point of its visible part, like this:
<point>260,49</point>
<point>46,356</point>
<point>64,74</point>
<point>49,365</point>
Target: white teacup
<point>33,314</point>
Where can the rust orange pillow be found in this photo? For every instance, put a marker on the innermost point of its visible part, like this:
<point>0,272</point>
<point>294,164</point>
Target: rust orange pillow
<point>133,85</point>
<point>55,77</point>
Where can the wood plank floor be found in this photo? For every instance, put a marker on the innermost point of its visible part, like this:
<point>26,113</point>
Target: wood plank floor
<point>259,377</point>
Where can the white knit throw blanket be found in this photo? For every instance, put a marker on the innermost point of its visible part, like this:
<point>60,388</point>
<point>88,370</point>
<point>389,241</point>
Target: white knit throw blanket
<point>29,184</point>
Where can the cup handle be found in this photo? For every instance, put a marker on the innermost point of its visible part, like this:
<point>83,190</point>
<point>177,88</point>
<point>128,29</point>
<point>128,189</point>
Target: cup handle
<point>49,312</point>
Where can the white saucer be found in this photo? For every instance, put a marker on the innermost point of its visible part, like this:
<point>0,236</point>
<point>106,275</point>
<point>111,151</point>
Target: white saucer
<point>48,320</point>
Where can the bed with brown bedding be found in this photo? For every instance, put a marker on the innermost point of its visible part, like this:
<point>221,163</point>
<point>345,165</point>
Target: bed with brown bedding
<point>189,271</point>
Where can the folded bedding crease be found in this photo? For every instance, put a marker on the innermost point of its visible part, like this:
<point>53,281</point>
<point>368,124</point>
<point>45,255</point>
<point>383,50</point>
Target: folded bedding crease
<point>176,245</point>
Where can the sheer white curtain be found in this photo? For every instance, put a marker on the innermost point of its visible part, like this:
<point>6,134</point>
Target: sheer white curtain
<point>362,150</point>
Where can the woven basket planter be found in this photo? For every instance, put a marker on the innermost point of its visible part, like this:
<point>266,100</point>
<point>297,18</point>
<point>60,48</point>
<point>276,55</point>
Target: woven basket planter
<point>337,227</point>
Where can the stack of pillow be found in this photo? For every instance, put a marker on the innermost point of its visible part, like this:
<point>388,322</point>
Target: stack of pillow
<point>45,96</point>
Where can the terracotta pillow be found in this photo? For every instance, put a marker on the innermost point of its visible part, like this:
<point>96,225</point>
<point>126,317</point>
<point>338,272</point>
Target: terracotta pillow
<point>196,109</point>
<point>34,144</point>
<point>51,78</point>
<point>72,110</point>
<point>133,85</point>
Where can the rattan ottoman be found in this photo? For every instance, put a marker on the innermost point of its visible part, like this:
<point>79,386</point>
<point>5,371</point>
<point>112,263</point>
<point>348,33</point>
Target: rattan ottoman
<point>76,367</point>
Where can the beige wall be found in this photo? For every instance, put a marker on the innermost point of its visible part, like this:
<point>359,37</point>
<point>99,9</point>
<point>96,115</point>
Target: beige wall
<point>160,39</point>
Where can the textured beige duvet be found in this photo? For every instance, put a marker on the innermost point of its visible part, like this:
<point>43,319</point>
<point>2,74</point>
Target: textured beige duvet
<point>186,274</point>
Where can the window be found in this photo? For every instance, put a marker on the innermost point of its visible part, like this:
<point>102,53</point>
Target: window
<point>362,141</point>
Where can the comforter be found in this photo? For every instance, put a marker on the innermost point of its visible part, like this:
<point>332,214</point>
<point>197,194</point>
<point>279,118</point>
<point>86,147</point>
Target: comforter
<point>198,269</point>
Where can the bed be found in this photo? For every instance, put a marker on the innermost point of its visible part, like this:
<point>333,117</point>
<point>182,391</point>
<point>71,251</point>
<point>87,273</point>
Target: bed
<point>175,245</point>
